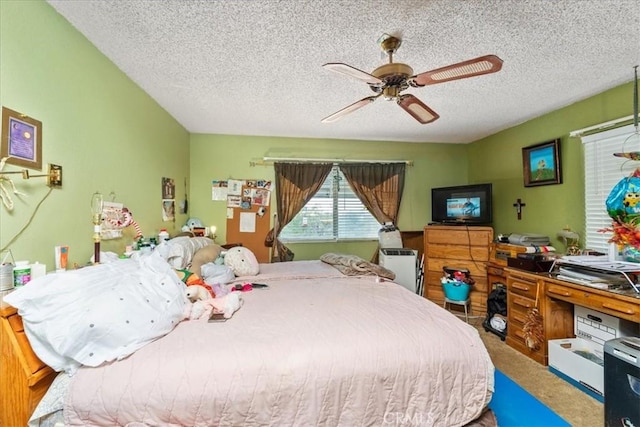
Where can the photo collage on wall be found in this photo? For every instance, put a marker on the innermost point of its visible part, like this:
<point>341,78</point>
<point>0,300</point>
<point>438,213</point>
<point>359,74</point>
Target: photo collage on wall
<point>242,194</point>
<point>168,199</point>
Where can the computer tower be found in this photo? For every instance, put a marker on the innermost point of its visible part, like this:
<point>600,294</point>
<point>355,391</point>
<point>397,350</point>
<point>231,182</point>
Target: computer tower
<point>622,382</point>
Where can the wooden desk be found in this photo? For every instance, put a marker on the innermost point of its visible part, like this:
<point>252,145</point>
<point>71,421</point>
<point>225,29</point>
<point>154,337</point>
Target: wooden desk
<point>556,299</point>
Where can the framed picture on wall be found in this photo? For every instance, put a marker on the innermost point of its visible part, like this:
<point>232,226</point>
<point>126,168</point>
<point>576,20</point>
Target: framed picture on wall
<point>541,164</point>
<point>21,140</point>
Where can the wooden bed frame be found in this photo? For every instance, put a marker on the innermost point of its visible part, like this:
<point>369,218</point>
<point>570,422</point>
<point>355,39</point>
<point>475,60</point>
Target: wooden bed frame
<point>24,379</point>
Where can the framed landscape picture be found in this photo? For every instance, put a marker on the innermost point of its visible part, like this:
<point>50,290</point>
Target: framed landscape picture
<point>541,164</point>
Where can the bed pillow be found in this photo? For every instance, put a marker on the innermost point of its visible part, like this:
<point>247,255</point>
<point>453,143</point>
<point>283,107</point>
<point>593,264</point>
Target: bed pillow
<point>242,261</point>
<point>100,313</point>
<point>179,251</point>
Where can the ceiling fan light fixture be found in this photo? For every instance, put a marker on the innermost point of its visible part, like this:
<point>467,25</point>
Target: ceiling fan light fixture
<point>391,79</point>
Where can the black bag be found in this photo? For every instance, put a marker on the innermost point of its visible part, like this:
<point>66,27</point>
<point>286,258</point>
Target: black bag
<point>497,302</point>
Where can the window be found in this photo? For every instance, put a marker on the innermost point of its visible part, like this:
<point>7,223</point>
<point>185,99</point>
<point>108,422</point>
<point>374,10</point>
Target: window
<point>602,171</point>
<point>334,213</point>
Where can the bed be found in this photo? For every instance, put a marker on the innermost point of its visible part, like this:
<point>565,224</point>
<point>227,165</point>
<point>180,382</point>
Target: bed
<point>316,347</point>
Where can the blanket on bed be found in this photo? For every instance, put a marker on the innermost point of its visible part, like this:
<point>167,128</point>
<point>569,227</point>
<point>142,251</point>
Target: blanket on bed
<point>352,265</point>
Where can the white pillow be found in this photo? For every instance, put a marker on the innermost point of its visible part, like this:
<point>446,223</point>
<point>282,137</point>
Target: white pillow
<point>242,261</point>
<point>100,313</point>
<point>179,251</point>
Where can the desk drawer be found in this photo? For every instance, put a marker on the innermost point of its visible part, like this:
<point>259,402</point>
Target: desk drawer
<point>495,271</point>
<point>585,298</point>
<point>518,308</point>
<point>524,288</point>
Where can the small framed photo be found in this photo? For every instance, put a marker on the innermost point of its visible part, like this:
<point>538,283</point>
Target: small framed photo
<point>21,140</point>
<point>541,164</point>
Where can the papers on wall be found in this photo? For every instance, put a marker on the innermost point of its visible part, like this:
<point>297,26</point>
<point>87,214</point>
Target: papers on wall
<point>247,222</point>
<point>240,193</point>
<point>235,187</point>
<point>234,201</point>
<point>219,190</point>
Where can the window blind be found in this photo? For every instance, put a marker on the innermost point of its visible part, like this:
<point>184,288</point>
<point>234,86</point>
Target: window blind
<point>602,171</point>
<point>334,213</point>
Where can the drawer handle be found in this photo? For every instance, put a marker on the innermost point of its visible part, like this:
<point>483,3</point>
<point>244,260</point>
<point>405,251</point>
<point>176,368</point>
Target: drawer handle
<point>519,334</point>
<point>617,308</point>
<point>521,287</point>
<point>561,292</point>
<point>521,303</point>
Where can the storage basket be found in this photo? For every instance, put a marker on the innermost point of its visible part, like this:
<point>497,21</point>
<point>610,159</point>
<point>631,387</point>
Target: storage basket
<point>456,291</point>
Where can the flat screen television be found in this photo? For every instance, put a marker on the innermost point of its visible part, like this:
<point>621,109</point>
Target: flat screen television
<point>462,204</point>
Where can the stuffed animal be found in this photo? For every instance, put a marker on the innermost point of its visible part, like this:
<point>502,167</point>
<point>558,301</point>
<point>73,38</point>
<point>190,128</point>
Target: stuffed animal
<point>242,261</point>
<point>198,293</point>
<point>203,256</point>
<point>226,305</point>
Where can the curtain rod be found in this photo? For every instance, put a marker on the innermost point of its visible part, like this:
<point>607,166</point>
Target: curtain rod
<point>600,126</point>
<point>270,160</point>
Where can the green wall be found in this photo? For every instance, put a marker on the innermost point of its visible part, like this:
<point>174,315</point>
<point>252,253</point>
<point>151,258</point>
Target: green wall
<point>110,136</point>
<point>107,134</point>
<point>215,157</point>
<point>549,208</point>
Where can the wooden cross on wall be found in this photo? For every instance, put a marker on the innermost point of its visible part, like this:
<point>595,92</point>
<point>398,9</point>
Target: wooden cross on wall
<point>519,205</point>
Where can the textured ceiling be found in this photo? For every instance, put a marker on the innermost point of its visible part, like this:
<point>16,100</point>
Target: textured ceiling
<point>255,67</point>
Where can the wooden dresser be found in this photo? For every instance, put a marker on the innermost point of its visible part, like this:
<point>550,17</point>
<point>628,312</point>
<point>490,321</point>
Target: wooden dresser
<point>24,378</point>
<point>457,247</point>
<point>556,299</point>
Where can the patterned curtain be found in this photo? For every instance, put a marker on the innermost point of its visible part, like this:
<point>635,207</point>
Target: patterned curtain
<point>296,184</point>
<point>379,187</point>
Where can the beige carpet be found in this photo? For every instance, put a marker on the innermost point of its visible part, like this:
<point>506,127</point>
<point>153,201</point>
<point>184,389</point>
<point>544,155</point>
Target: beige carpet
<point>576,407</point>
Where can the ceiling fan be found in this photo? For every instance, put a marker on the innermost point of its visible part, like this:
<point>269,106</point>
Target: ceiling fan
<point>389,80</point>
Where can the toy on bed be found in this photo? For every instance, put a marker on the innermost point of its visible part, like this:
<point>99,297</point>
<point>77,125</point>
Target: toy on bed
<point>216,308</point>
<point>242,261</point>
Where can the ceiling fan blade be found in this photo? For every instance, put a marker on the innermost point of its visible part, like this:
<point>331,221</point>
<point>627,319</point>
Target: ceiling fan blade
<point>417,109</point>
<point>351,108</point>
<point>350,71</point>
<point>473,67</point>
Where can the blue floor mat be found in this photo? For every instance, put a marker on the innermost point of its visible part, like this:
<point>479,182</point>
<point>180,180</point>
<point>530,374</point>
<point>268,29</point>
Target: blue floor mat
<point>515,407</point>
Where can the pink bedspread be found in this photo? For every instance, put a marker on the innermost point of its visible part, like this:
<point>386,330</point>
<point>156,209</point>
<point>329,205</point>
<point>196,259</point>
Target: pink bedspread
<point>322,351</point>
<point>291,270</point>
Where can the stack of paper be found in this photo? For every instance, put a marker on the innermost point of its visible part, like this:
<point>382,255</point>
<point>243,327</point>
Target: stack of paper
<point>590,278</point>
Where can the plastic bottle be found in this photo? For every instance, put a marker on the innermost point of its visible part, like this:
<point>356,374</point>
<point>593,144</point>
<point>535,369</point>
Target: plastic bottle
<point>21,273</point>
<point>163,235</point>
